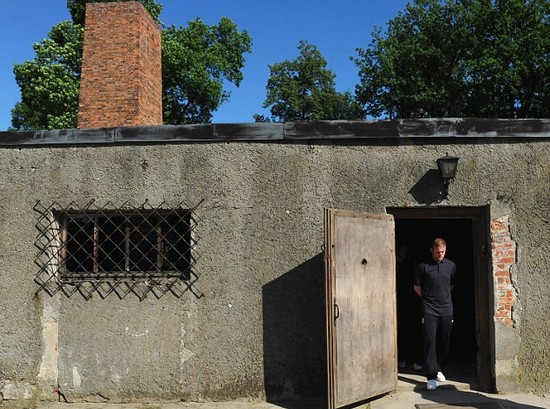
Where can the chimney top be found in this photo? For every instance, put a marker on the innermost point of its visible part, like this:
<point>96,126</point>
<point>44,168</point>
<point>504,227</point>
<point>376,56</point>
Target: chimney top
<point>121,79</point>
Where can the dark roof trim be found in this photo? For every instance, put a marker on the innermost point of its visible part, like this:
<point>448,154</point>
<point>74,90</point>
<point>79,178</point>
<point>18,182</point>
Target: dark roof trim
<point>436,128</point>
<point>318,130</point>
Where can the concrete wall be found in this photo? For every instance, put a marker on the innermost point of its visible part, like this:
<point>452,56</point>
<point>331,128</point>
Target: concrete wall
<point>258,329</point>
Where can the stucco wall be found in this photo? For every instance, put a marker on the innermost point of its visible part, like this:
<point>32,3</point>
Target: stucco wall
<point>258,329</point>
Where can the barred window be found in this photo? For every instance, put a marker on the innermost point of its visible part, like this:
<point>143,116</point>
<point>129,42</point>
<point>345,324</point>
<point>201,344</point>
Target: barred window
<point>118,250</point>
<point>124,243</point>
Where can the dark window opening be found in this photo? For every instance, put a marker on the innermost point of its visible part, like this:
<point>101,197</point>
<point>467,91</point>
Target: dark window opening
<point>124,244</point>
<point>96,251</point>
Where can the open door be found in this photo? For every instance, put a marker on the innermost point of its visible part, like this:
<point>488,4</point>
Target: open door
<point>361,312</point>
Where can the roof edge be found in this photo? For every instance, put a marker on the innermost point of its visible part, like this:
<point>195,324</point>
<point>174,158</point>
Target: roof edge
<point>307,130</point>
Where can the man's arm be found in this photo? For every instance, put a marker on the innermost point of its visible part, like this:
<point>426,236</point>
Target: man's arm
<point>418,290</point>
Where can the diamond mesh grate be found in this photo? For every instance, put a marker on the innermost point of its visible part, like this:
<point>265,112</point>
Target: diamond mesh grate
<point>121,250</point>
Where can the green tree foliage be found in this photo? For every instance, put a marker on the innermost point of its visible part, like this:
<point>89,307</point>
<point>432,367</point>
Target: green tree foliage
<point>304,90</point>
<point>197,60</point>
<point>77,8</point>
<point>50,83</point>
<point>459,58</point>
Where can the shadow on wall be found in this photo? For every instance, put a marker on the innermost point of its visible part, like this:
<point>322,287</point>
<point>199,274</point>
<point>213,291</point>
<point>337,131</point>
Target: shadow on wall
<point>429,189</point>
<point>294,334</point>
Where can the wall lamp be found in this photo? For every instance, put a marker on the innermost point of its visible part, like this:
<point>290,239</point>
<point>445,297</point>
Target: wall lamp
<point>447,166</point>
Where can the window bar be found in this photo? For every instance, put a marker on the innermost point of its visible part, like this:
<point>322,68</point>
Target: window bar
<point>63,247</point>
<point>160,254</point>
<point>96,245</point>
<point>127,246</point>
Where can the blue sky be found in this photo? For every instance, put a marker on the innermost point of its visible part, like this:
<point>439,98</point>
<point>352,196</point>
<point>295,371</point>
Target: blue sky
<point>336,27</point>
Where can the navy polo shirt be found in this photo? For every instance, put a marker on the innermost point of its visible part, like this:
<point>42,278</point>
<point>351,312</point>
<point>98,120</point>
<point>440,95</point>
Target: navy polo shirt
<point>436,279</point>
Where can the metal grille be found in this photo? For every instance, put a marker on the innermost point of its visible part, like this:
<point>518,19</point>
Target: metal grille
<point>102,250</point>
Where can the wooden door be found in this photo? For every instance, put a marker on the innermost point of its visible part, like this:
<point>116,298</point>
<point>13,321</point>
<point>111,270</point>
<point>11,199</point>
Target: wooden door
<point>361,312</point>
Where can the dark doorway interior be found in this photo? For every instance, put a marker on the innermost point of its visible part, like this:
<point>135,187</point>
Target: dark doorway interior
<point>417,235</point>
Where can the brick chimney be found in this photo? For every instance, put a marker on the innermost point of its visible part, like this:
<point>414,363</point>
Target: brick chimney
<point>121,81</point>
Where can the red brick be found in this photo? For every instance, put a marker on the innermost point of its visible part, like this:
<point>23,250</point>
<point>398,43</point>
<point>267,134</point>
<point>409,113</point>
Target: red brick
<point>121,80</point>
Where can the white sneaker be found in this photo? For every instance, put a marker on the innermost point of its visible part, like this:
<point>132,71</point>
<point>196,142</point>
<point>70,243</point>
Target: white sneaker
<point>440,377</point>
<point>432,385</point>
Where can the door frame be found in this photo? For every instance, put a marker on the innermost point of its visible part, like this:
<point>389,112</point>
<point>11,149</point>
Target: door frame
<point>483,286</point>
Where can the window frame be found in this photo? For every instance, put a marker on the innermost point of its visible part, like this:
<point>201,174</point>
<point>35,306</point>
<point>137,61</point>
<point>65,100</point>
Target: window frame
<point>99,236</point>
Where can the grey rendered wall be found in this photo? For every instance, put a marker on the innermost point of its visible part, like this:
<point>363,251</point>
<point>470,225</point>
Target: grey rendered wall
<point>258,329</point>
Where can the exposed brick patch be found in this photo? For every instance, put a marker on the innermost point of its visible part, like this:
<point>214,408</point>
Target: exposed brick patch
<point>121,81</point>
<point>504,256</point>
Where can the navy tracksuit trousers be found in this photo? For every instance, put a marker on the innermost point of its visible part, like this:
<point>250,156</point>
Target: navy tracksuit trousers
<point>437,337</point>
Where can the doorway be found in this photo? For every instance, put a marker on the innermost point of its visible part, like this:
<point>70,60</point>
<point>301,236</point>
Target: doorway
<point>466,231</point>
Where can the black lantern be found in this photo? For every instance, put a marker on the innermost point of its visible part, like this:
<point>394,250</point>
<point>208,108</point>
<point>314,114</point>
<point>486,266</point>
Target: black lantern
<point>447,169</point>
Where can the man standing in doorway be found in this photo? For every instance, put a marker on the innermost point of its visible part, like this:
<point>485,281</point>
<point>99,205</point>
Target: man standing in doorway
<point>433,282</point>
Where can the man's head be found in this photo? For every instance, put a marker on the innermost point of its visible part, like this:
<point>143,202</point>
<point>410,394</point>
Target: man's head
<point>439,246</point>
